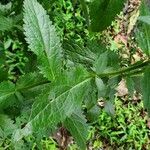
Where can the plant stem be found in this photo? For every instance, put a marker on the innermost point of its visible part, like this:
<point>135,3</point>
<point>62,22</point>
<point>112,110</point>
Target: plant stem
<point>132,70</point>
<point>123,71</point>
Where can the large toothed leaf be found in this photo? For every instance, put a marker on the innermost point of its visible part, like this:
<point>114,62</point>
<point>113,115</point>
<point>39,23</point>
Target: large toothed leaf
<point>76,75</point>
<point>78,128</point>
<point>56,110</point>
<point>56,105</point>
<point>42,39</point>
<point>146,89</point>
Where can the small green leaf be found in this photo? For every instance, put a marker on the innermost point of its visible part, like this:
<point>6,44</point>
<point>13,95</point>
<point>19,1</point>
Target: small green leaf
<point>101,87</point>
<point>109,108</point>
<point>101,63</point>
<point>78,54</point>
<point>6,24</point>
<point>93,114</point>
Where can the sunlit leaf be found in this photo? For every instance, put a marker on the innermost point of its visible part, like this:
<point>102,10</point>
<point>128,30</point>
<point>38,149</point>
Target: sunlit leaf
<point>42,39</point>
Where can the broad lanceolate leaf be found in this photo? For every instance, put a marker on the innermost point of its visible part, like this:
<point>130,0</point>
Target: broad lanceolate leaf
<point>146,89</point>
<point>53,107</point>
<point>78,128</point>
<point>103,12</point>
<point>42,39</point>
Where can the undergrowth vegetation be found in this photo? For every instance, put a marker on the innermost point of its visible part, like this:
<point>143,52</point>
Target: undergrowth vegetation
<point>60,66</point>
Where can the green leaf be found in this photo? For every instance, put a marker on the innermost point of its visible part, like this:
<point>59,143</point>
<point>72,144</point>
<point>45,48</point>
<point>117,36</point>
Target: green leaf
<point>93,114</point>
<point>6,24</point>
<point>78,54</point>
<point>103,12</point>
<point>101,63</point>
<point>101,87</point>
<point>78,128</point>
<point>109,108</point>
<point>146,89</point>
<point>7,89</point>
<point>29,85</point>
<point>143,31</point>
<point>113,60</point>
<point>53,107</point>
<point>29,81</point>
<point>6,125</point>
<point>143,38</point>
<point>42,39</point>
